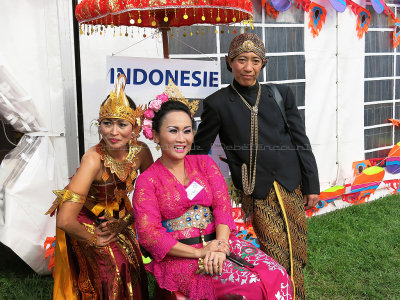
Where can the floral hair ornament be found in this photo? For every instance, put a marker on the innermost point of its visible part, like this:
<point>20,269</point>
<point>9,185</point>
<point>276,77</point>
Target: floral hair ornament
<point>172,93</point>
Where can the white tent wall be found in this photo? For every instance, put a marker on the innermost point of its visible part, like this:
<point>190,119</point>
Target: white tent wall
<point>34,45</point>
<point>32,49</point>
<point>321,96</point>
<point>334,95</point>
<point>350,107</point>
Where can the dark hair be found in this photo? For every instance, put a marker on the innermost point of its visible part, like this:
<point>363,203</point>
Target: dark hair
<point>167,107</point>
<point>131,103</point>
<point>230,69</point>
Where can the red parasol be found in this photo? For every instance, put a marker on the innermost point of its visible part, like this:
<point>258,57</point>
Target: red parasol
<point>163,14</point>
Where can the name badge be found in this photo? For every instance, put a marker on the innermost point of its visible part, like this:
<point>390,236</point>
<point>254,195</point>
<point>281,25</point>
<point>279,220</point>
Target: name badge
<point>193,189</point>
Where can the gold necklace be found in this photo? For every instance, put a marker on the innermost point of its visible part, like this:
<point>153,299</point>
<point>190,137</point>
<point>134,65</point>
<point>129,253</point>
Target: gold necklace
<point>124,168</point>
<point>125,171</point>
<point>247,182</point>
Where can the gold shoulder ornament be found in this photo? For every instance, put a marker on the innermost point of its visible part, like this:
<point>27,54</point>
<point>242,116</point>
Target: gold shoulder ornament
<point>65,196</point>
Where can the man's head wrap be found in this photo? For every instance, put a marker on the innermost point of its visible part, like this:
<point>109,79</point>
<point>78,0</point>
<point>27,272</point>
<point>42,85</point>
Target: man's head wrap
<point>247,42</point>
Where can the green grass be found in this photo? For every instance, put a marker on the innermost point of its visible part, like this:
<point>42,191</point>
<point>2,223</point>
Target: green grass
<point>353,253</point>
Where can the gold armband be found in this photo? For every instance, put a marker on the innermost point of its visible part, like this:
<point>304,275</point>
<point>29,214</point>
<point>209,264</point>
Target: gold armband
<point>68,196</point>
<point>65,196</point>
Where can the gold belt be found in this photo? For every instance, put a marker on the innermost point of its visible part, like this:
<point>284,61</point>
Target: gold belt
<point>197,216</point>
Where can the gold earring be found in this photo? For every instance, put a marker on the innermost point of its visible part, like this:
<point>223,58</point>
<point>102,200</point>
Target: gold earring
<point>133,139</point>
<point>158,147</point>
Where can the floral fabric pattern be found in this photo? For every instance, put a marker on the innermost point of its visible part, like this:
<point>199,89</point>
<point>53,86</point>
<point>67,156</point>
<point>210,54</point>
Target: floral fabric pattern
<point>159,196</point>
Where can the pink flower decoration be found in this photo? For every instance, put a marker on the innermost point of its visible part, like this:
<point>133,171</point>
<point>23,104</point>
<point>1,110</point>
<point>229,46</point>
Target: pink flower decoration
<point>148,133</point>
<point>155,105</point>
<point>147,123</point>
<point>163,97</point>
<point>149,113</point>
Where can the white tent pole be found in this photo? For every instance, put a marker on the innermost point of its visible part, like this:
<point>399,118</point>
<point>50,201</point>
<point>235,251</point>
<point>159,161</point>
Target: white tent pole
<point>65,28</point>
<point>337,100</point>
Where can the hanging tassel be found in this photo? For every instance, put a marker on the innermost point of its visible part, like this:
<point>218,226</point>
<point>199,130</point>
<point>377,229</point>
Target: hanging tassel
<point>317,18</point>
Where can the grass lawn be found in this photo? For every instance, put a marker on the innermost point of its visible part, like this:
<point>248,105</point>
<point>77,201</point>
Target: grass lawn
<point>353,253</point>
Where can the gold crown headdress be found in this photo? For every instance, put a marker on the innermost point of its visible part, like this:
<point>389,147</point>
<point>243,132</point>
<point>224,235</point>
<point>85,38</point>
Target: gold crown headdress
<point>176,95</point>
<point>117,105</point>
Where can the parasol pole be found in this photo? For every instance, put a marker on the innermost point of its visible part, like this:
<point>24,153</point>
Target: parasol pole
<point>164,32</point>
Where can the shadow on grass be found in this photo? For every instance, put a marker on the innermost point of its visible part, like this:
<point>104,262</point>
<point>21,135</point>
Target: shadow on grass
<point>19,281</point>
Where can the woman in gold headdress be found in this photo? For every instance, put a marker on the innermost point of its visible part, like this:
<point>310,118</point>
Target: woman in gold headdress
<point>97,255</point>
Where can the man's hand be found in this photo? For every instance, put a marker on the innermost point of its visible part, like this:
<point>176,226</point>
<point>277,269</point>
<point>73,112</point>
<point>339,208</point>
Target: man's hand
<point>310,201</point>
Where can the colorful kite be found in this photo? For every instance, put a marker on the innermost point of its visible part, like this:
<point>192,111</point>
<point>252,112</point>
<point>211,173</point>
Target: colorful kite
<point>338,5</point>
<point>317,16</point>
<point>359,166</point>
<point>51,243</point>
<point>393,160</point>
<point>269,9</point>
<point>396,33</point>
<point>363,20</point>
<point>395,122</point>
<point>366,183</point>
<point>378,5</point>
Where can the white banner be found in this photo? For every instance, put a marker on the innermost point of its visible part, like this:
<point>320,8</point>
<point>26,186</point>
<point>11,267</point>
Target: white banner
<point>147,77</point>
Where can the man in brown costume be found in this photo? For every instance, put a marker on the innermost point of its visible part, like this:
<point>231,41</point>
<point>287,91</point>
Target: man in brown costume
<point>268,153</point>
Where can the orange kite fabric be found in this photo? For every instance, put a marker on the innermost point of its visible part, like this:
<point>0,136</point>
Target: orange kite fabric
<point>317,16</point>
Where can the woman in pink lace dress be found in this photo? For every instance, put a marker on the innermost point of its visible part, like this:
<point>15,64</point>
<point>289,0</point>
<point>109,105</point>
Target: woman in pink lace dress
<point>181,203</point>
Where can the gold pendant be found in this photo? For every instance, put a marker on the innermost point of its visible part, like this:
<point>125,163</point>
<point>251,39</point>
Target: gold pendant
<point>121,169</point>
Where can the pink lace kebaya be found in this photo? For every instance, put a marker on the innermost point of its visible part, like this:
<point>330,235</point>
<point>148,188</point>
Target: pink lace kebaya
<point>159,196</point>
